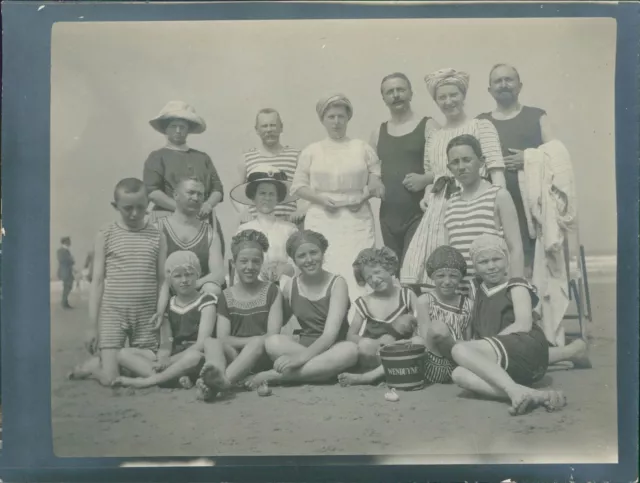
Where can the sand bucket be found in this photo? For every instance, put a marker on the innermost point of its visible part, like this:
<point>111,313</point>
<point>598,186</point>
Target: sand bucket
<point>403,365</point>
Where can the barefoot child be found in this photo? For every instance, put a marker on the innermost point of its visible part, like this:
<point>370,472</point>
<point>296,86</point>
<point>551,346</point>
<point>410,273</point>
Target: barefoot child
<point>188,321</point>
<point>381,317</point>
<point>248,312</point>
<point>320,301</point>
<point>511,351</point>
<point>128,271</point>
<point>443,314</point>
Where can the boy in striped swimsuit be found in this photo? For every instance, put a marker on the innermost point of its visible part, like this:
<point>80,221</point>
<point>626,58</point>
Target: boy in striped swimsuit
<point>128,272</point>
<point>479,208</point>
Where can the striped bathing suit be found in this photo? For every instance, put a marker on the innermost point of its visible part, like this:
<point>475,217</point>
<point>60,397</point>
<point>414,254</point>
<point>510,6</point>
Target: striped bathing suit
<point>286,161</point>
<point>466,220</point>
<point>438,369</point>
<point>130,287</point>
<point>374,328</point>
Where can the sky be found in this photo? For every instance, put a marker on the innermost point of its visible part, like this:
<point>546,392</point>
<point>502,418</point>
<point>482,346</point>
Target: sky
<point>109,79</point>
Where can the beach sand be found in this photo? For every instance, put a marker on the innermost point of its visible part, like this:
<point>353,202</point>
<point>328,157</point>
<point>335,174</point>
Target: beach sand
<point>439,421</point>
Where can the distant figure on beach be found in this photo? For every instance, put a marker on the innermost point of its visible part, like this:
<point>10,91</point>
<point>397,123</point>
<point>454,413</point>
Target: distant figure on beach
<point>176,160</point>
<point>399,143</point>
<point>320,301</point>
<point>274,154</point>
<point>265,191</point>
<point>519,127</point>
<point>384,316</point>
<point>338,176</point>
<point>88,266</point>
<point>66,264</point>
<point>128,272</point>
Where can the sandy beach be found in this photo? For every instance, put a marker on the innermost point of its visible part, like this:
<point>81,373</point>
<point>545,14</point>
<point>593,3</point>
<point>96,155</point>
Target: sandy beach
<point>438,423</point>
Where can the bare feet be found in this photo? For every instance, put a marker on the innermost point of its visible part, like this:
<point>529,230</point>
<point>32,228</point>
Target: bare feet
<point>580,359</point>
<point>214,378</point>
<point>270,377</point>
<point>204,393</point>
<point>529,399</point>
<point>137,382</point>
<point>348,379</point>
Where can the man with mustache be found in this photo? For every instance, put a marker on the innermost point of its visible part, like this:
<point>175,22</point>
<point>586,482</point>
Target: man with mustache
<point>273,154</point>
<point>519,127</point>
<point>399,143</point>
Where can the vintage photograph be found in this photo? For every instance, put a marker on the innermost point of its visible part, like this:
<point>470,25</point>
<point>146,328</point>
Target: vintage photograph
<point>389,237</point>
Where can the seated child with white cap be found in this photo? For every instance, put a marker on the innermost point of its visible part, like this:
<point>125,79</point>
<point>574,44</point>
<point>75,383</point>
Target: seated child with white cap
<point>266,189</point>
<point>510,352</point>
<point>384,316</point>
<point>189,319</point>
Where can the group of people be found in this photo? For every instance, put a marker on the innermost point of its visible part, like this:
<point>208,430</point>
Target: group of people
<point>454,274</point>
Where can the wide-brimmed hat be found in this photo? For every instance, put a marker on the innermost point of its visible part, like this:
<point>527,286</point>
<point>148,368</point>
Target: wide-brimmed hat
<point>269,174</point>
<point>178,110</point>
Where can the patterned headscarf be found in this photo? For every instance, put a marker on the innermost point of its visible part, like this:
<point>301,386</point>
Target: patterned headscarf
<point>306,236</point>
<point>488,243</point>
<point>446,256</point>
<point>182,259</point>
<point>384,257</point>
<point>334,100</point>
<point>447,76</point>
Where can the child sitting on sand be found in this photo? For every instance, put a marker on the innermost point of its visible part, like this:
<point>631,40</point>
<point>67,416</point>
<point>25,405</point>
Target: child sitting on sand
<point>248,312</point>
<point>189,320</point>
<point>511,352</point>
<point>382,317</point>
<point>128,271</point>
<point>443,314</point>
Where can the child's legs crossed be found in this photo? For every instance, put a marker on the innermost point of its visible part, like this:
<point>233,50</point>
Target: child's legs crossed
<point>246,360</point>
<point>327,365</point>
<point>138,361</point>
<point>279,345</point>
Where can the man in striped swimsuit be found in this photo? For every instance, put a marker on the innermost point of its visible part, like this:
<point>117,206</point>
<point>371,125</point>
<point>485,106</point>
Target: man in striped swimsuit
<point>271,153</point>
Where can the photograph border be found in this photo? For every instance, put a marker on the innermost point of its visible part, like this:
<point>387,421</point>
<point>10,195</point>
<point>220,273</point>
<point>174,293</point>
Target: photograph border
<point>27,452</point>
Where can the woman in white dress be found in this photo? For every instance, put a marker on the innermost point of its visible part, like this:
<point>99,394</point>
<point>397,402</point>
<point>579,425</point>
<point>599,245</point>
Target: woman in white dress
<point>448,88</point>
<point>337,176</point>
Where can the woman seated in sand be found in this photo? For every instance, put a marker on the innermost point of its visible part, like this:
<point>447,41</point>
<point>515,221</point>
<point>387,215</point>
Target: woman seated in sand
<point>248,312</point>
<point>266,190</point>
<point>320,302</point>
<point>187,323</point>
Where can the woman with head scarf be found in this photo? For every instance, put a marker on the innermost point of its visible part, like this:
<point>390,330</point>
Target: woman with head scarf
<point>337,176</point>
<point>448,88</point>
<point>176,160</point>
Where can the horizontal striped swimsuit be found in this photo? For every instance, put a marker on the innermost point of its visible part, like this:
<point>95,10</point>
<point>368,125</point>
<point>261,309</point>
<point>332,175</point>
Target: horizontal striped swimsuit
<point>131,287</point>
<point>286,161</point>
<point>466,220</point>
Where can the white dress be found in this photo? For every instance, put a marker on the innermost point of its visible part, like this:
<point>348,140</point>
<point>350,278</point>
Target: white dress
<point>341,170</point>
<point>277,232</point>
<point>431,233</point>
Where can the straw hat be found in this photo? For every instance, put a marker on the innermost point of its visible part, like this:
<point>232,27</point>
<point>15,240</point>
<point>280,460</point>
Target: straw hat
<point>268,173</point>
<point>178,110</point>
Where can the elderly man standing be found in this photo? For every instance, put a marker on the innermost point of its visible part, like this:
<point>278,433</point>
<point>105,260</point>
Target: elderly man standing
<point>271,154</point>
<point>400,143</point>
<point>519,127</point>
